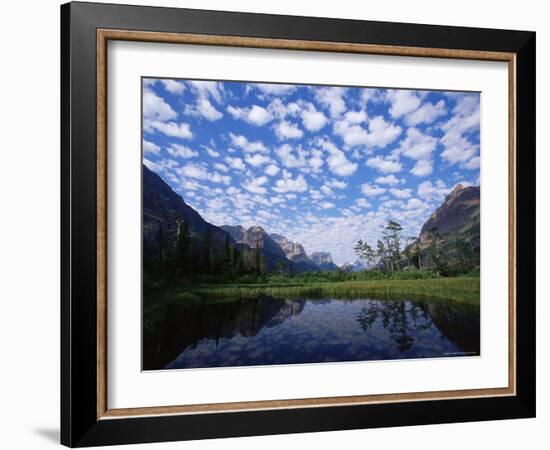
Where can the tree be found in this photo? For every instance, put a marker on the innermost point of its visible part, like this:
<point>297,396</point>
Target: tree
<point>257,254</point>
<point>434,250</point>
<point>418,254</point>
<point>409,250</point>
<point>207,251</point>
<point>160,237</point>
<point>381,254</point>
<point>227,263</point>
<point>365,252</point>
<point>392,237</point>
<point>182,246</point>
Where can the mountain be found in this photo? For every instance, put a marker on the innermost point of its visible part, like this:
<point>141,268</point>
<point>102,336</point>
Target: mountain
<point>295,252</point>
<point>456,225</point>
<point>457,215</point>
<point>163,209</point>
<point>323,260</point>
<point>256,237</point>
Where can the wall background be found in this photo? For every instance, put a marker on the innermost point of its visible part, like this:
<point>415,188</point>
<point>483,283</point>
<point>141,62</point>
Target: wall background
<point>29,229</point>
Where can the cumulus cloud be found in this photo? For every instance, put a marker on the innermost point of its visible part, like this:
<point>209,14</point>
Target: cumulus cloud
<point>362,203</point>
<point>286,130</point>
<point>235,163</point>
<point>250,147</point>
<point>291,158</point>
<point>180,130</point>
<point>173,86</point>
<point>289,184</point>
<point>206,89</point>
<point>312,119</point>
<point>427,113</point>
<point>384,165</point>
<point>402,101</point>
<point>371,190</point>
<point>423,168</point>
<point>400,193</point>
<point>337,161</point>
<point>182,151</point>
<point>458,148</point>
<point>255,115</point>
<point>155,108</point>
<point>332,98</point>
<point>257,160</point>
<point>272,170</point>
<point>379,132</point>
<point>150,147</point>
<point>256,185</point>
<point>391,179</point>
<point>276,89</point>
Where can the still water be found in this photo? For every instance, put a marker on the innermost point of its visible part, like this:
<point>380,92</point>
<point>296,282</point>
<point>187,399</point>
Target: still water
<point>267,330</point>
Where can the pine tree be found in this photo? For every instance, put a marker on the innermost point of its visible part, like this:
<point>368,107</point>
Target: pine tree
<point>182,246</point>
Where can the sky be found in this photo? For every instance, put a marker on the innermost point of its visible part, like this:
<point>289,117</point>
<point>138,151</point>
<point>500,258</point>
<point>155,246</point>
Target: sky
<point>324,166</point>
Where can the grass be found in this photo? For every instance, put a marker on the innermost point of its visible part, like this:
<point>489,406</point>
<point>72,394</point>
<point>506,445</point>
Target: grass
<point>459,289</point>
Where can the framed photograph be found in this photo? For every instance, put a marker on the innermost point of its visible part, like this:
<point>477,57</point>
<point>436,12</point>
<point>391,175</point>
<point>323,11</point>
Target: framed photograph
<point>276,224</point>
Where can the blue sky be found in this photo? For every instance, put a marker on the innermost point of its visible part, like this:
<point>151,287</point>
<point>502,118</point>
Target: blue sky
<point>322,165</point>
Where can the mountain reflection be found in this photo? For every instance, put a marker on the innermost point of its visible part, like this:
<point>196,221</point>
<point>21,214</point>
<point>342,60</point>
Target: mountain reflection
<point>268,330</point>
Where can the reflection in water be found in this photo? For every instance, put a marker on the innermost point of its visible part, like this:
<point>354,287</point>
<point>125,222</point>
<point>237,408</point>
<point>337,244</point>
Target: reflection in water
<point>267,330</point>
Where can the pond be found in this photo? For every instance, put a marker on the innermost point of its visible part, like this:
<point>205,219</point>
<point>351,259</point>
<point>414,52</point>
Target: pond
<point>268,330</point>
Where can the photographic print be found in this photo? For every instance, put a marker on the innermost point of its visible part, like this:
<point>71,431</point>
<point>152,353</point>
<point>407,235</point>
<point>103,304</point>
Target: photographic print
<point>294,224</point>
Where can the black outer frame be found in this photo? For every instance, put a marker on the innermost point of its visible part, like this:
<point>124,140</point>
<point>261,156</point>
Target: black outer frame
<point>79,423</point>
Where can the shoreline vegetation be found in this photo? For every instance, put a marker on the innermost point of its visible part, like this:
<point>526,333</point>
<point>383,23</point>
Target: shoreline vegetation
<point>420,285</point>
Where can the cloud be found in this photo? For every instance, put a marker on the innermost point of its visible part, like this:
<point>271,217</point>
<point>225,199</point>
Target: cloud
<point>155,108</point>
<point>371,190</point>
<point>203,108</point>
<point>200,173</point>
<point>417,145</point>
<point>255,115</point>
<point>257,160</point>
<point>402,101</point>
<point>427,113</point>
<point>414,203</point>
<point>423,168</point>
<point>392,180</point>
<point>180,130</point>
<point>235,163</point>
<point>312,119</point>
<point>384,165</point>
<point>207,89</point>
<point>290,158</point>
<point>315,161</point>
<point>355,117</point>
<point>400,193</point>
<point>433,191</point>
<point>221,167</point>
<point>288,184</point>
<point>337,161</point>
<point>466,118</point>
<point>332,98</point>
<point>337,184</point>
<point>362,203</point>
<point>250,147</point>
<point>255,185</point>
<point>173,86</point>
<point>150,147</point>
<point>327,205</point>
<point>276,89</point>
<point>473,163</point>
<point>213,153</point>
<point>182,151</point>
<point>380,133</point>
<point>272,170</point>
<point>286,130</point>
